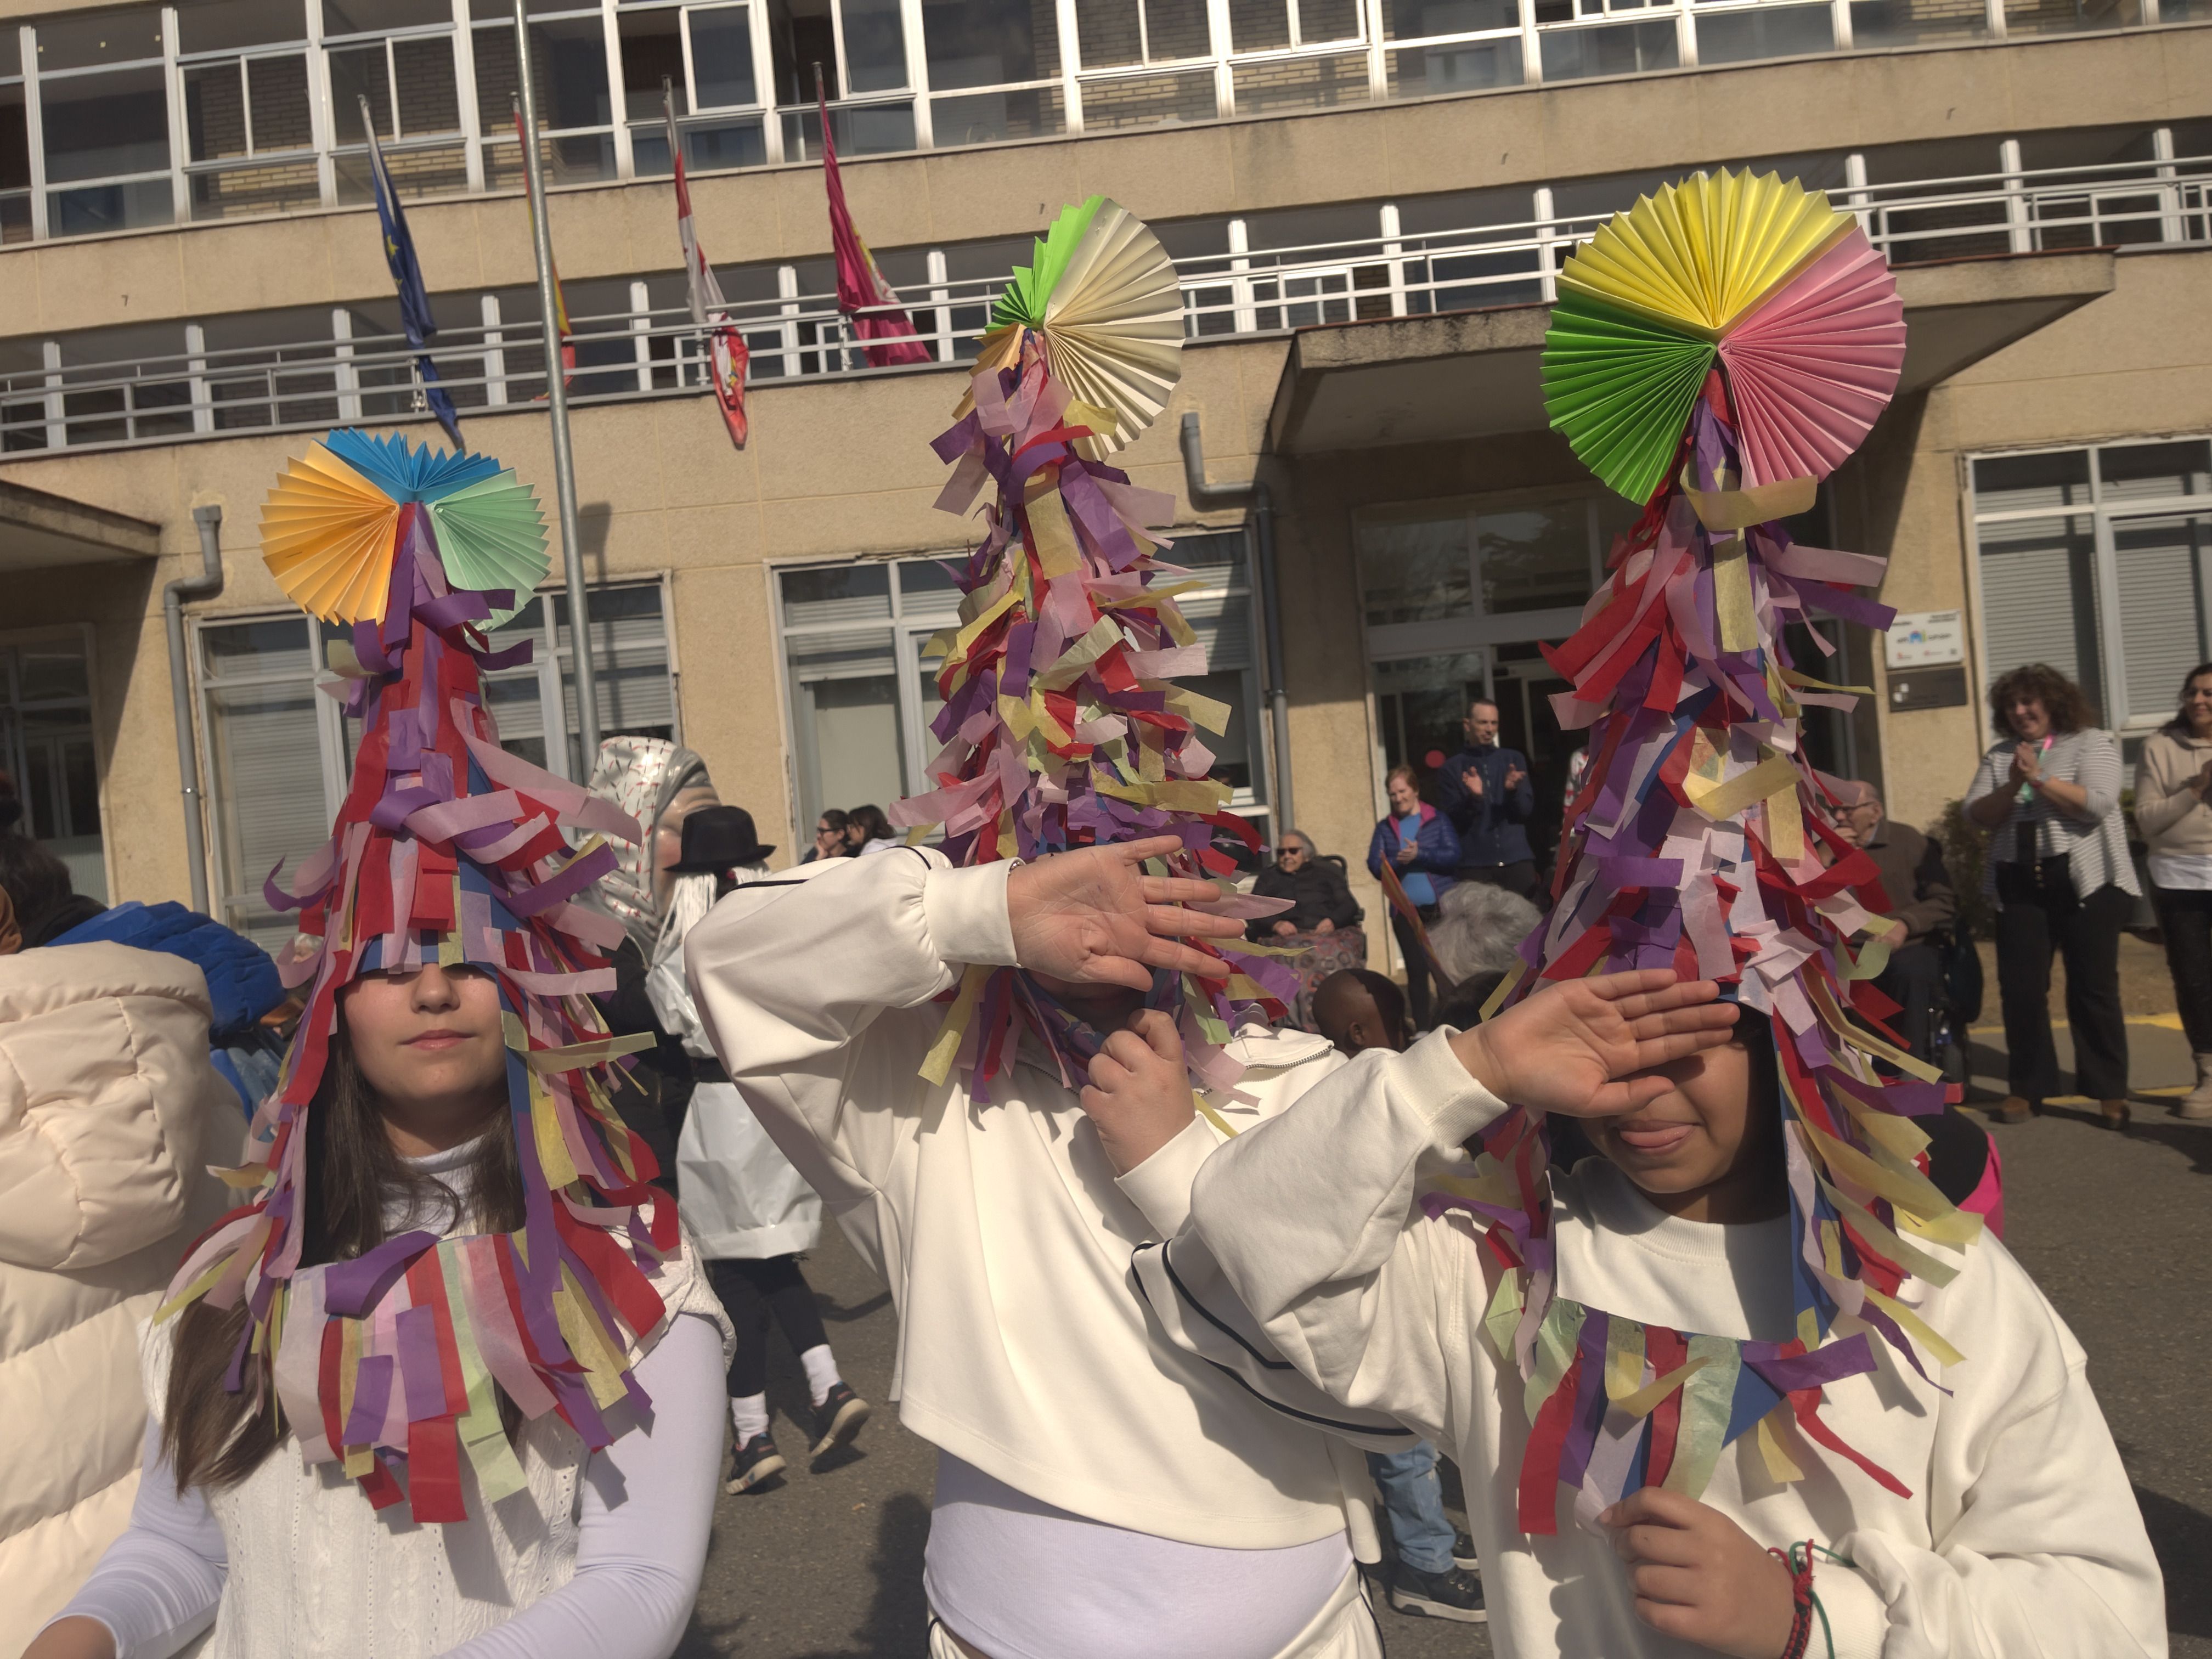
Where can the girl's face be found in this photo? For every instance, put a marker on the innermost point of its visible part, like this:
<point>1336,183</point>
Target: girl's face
<point>2196,704</point>
<point>668,836</point>
<point>1709,1149</point>
<point>1403,798</point>
<point>430,1044</point>
<point>827,840</point>
<point>2031,721</point>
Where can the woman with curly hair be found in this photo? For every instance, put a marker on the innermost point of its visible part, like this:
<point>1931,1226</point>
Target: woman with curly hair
<point>2048,792</point>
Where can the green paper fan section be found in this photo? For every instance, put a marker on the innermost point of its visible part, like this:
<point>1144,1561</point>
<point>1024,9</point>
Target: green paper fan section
<point>492,535</point>
<point>1030,291</point>
<point>1620,388</point>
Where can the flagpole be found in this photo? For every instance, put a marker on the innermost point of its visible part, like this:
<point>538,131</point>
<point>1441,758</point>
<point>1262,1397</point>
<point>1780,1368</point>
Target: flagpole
<point>556,397</point>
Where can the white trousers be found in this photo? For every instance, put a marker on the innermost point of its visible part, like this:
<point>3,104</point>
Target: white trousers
<point>1344,1628</point>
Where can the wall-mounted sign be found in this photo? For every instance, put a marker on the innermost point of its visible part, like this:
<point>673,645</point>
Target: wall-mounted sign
<point>1923,639</point>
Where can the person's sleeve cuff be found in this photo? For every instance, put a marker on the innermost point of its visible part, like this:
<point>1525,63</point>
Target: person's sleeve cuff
<point>1858,1618</point>
<point>965,911</point>
<point>1160,1186</point>
<point>1433,1070</point>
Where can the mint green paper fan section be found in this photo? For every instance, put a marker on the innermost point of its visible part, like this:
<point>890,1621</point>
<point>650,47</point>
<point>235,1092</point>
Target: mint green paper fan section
<point>1620,388</point>
<point>1030,291</point>
<point>490,536</point>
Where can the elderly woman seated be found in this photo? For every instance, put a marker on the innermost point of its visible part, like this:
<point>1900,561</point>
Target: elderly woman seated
<point>1322,923</point>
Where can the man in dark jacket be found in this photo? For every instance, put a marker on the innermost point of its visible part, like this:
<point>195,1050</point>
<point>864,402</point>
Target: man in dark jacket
<point>1484,789</point>
<point>1921,899</point>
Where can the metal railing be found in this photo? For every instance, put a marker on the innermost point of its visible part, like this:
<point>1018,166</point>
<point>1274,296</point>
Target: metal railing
<point>658,351</point>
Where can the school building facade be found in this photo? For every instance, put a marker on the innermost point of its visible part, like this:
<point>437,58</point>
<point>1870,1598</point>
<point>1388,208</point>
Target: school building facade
<point>1367,201</point>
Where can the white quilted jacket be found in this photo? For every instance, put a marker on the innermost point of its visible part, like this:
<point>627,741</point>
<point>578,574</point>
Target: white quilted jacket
<point>109,1115</point>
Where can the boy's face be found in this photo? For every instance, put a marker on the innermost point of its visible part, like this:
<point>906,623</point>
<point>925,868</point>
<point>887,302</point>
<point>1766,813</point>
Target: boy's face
<point>1354,1024</point>
<point>1708,1149</point>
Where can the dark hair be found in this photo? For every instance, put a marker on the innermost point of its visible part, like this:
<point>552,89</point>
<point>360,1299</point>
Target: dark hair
<point>870,822</point>
<point>835,818</point>
<point>2067,704</point>
<point>2180,723</point>
<point>38,882</point>
<point>1464,1007</point>
<point>213,1437</point>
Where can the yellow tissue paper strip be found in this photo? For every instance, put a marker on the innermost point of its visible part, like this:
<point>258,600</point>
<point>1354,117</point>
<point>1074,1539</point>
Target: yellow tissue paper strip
<point>1725,800</point>
<point>937,1064</point>
<point>1779,1465</point>
<point>1732,598</point>
<point>1057,553</point>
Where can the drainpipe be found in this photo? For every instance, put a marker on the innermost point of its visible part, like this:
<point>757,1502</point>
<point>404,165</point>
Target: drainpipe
<point>205,585</point>
<point>1203,495</point>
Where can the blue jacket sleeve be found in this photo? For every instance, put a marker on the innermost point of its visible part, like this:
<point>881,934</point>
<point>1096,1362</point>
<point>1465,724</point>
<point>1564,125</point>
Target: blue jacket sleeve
<point>1521,801</point>
<point>1452,797</point>
<point>1377,846</point>
<point>1439,845</point>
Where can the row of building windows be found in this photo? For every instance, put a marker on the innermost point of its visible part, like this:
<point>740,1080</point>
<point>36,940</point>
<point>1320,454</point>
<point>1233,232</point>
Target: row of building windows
<point>151,383</point>
<point>156,115</point>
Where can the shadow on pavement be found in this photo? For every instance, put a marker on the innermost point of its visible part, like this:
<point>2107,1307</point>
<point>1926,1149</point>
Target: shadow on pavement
<point>2182,1538</point>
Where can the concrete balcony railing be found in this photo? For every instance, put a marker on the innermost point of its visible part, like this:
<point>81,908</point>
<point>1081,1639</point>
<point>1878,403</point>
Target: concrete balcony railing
<point>648,351</point>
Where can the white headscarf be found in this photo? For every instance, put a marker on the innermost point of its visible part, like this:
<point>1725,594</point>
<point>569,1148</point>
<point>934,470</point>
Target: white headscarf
<point>641,775</point>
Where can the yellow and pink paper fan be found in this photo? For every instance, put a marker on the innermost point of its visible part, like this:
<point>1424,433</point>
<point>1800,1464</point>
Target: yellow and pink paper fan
<point>1760,276</point>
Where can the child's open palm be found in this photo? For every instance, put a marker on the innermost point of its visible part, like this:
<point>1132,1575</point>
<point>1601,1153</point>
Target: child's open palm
<point>1574,1047</point>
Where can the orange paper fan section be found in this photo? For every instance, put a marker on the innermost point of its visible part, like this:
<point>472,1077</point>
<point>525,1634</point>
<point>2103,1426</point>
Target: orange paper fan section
<point>326,533</point>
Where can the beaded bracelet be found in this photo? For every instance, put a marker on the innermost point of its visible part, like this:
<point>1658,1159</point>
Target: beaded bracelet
<point>1798,1561</point>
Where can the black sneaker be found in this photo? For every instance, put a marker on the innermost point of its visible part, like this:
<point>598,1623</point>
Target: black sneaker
<point>754,1466</point>
<point>1463,1554</point>
<point>1451,1594</point>
<point>837,1419</point>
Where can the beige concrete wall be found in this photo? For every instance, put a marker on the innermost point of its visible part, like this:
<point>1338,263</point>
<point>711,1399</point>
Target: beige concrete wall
<point>2136,363</point>
<point>1513,136</point>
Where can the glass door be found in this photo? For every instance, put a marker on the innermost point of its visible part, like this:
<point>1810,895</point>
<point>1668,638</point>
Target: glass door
<point>47,745</point>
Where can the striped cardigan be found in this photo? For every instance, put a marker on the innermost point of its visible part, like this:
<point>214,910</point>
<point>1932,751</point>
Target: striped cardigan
<point>2095,846</point>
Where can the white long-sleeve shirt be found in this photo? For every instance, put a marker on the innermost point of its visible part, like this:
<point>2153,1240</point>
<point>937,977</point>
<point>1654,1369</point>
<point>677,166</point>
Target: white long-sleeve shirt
<point>600,1558</point>
<point>1023,1348</point>
<point>2021,1535</point>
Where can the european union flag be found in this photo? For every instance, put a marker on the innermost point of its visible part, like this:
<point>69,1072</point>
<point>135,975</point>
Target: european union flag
<point>407,276</point>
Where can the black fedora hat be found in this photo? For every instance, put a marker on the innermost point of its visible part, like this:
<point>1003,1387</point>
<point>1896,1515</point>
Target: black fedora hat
<point>715,839</point>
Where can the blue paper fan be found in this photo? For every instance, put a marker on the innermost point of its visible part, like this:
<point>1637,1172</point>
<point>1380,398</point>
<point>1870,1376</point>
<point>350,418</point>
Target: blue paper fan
<point>406,472</point>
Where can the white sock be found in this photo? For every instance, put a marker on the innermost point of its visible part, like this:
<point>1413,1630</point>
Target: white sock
<point>821,1372</point>
<point>749,1416</point>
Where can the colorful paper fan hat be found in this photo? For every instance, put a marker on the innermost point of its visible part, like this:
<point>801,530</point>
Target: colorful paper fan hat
<point>447,849</point>
<point>1699,841</point>
<point>1063,725</point>
<point>1762,277</point>
<point>1101,298</point>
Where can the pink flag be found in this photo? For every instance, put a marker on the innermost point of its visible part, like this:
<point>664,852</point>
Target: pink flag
<point>862,293</point>
<point>726,356</point>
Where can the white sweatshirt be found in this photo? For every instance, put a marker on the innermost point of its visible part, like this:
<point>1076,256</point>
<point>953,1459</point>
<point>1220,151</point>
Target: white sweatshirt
<point>1023,1347</point>
<point>2021,1538</point>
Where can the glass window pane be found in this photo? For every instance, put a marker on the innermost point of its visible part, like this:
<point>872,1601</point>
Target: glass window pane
<point>928,586</point>
<point>2146,472</point>
<point>569,58</point>
<point>1109,33</point>
<point>1534,558</point>
<point>1419,704</point>
<point>217,24</point>
<point>1738,37</point>
<point>651,49</point>
<point>845,720</point>
<point>2013,483</point>
<point>14,140</point>
<point>1258,25</point>
<point>278,89</point>
<point>1423,71</point>
<point>2161,578</point>
<point>1416,569</point>
<point>51,673</point>
<point>986,43</point>
<point>100,127</point>
<point>358,73</point>
<point>1619,49</point>
<point>214,112</point>
<point>429,101</point>
<point>1321,20</point>
<point>1914,23</point>
<point>111,37</point>
<point>263,742</point>
<point>2039,600</point>
<point>722,57</point>
<point>1176,28</point>
<point>1417,20</point>
<point>274,645</point>
<point>875,46</point>
<point>841,593</point>
<point>384,17</point>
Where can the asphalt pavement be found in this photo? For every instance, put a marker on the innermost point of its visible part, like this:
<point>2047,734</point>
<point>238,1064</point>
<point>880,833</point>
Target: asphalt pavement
<point>2117,1230</point>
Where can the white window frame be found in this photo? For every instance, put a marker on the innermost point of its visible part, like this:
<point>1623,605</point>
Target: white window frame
<point>2110,632</point>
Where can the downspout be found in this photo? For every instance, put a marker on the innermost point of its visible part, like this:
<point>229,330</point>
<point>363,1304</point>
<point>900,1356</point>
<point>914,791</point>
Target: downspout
<point>1205,495</point>
<point>205,585</point>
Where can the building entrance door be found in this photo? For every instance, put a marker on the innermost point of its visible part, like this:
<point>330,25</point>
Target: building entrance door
<point>46,746</point>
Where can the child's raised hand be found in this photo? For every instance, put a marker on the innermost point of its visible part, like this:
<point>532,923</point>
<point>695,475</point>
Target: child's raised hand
<point>1140,1096</point>
<point>1568,1048</point>
<point>1701,1577</point>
